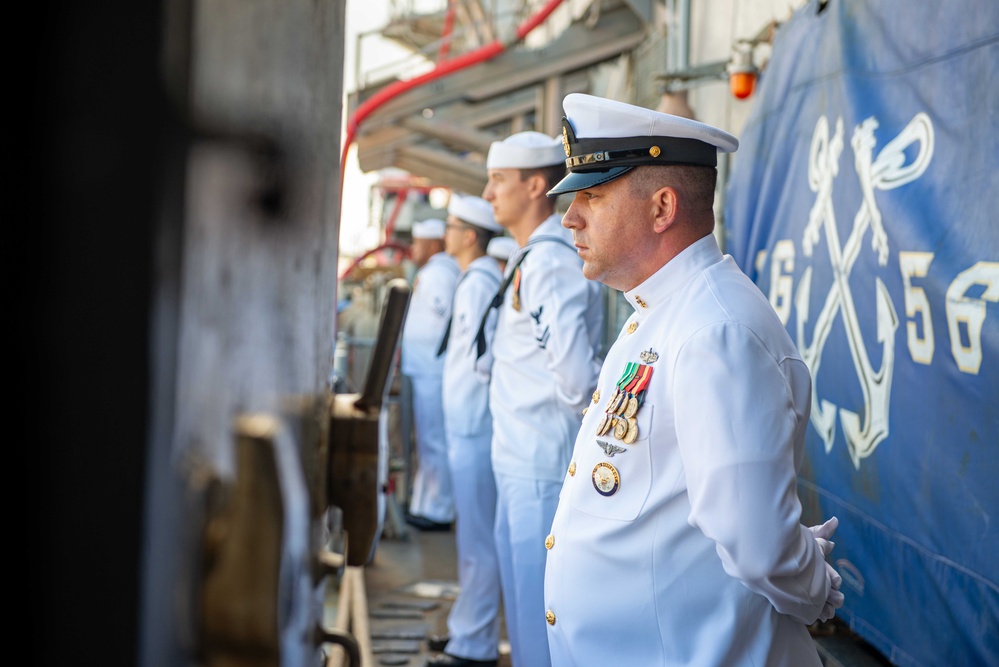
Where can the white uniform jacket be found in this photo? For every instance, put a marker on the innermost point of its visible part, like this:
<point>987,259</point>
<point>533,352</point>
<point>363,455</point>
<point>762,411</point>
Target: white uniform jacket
<point>466,384</point>
<point>684,547</point>
<point>545,357</point>
<point>427,316</point>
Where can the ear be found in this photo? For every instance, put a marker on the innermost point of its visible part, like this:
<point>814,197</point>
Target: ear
<point>537,186</point>
<point>469,236</point>
<point>664,203</point>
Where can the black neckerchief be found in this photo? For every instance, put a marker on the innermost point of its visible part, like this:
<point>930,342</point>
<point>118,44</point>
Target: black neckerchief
<point>480,337</point>
<point>447,330</point>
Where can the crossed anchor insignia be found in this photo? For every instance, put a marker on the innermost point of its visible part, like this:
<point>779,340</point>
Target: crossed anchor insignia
<point>887,171</point>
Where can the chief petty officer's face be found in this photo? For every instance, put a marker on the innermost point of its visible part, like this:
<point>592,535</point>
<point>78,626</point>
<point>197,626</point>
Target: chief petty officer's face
<point>612,231</point>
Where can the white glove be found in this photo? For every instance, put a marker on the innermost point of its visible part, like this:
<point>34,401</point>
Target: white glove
<point>823,533</point>
<point>835,598</point>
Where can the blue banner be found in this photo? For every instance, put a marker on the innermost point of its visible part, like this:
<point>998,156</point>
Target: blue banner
<point>864,201</point>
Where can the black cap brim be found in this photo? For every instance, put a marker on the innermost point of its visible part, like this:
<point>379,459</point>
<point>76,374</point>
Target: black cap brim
<point>580,180</point>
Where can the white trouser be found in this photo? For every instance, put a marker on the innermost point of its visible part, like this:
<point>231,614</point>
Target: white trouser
<point>473,623</point>
<point>525,509</point>
<point>431,496</point>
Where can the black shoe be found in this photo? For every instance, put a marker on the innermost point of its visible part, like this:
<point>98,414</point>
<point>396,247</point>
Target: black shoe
<point>448,660</point>
<point>423,523</point>
<point>436,643</point>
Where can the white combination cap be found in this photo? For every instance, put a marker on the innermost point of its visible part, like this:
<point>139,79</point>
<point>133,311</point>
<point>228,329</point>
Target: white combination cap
<point>501,248</point>
<point>603,139</point>
<point>431,228</point>
<point>525,150</point>
<point>473,211</point>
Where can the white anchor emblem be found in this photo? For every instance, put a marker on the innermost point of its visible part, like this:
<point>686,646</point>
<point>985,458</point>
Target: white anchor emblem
<point>889,170</point>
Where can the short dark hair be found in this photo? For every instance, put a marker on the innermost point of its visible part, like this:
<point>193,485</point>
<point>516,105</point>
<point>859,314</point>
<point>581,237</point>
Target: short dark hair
<point>482,237</point>
<point>695,184</point>
<point>552,174</point>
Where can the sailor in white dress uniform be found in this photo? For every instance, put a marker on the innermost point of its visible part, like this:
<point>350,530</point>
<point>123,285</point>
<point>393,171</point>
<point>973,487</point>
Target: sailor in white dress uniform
<point>544,369</point>
<point>431,501</point>
<point>473,621</point>
<point>677,539</point>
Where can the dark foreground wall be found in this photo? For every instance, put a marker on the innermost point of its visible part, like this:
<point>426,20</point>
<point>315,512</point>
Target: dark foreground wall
<point>177,198</point>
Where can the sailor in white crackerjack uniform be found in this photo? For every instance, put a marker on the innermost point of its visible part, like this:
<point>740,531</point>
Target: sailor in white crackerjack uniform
<point>431,505</point>
<point>544,369</point>
<point>677,539</point>
<point>473,622</point>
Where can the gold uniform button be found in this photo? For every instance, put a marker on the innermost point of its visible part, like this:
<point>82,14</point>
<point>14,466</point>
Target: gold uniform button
<point>572,469</point>
<point>596,396</point>
<point>632,327</point>
<point>549,542</point>
<point>550,617</point>
<point>585,409</point>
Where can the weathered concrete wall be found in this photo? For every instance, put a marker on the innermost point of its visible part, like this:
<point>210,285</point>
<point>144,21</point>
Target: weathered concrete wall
<point>244,322</point>
<point>259,287</point>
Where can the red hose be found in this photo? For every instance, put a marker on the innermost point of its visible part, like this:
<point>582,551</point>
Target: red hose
<point>443,69</point>
<point>388,245</point>
<point>442,52</point>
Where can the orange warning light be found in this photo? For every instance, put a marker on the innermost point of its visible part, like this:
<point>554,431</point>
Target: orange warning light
<point>742,84</point>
